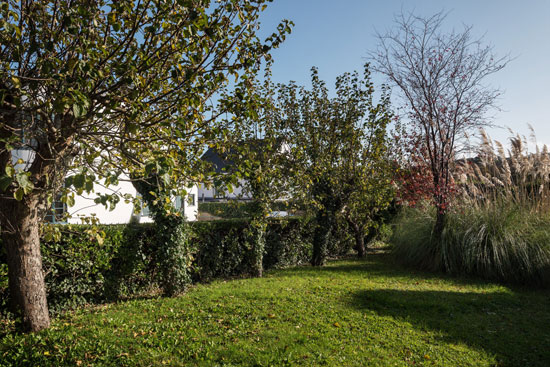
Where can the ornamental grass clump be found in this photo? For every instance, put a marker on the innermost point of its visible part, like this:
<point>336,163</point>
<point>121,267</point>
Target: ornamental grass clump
<point>499,177</point>
<point>499,225</point>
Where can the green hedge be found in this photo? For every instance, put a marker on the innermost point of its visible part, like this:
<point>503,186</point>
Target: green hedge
<point>79,270</point>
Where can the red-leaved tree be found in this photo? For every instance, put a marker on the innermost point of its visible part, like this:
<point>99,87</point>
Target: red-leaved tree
<point>441,76</point>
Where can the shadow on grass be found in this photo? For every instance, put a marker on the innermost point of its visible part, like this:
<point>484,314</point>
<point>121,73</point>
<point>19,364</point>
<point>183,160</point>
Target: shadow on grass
<point>513,327</point>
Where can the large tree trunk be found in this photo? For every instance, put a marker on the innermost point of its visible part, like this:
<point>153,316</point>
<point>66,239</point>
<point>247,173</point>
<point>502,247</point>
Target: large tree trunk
<point>21,238</point>
<point>360,243</point>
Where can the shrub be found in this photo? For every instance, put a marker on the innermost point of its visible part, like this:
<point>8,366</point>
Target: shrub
<point>499,225</point>
<point>80,270</point>
<point>288,242</point>
<point>221,249</point>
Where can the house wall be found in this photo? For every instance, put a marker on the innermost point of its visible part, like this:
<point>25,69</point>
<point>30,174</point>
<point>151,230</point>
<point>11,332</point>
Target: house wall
<point>123,212</point>
<point>85,207</point>
<point>192,211</point>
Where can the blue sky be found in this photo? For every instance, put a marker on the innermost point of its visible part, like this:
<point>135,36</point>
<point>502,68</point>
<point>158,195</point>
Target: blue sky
<point>336,35</point>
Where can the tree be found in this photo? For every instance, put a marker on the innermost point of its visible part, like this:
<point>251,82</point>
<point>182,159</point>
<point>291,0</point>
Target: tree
<point>103,88</point>
<point>255,150</point>
<point>337,146</point>
<point>368,168</point>
<point>441,79</point>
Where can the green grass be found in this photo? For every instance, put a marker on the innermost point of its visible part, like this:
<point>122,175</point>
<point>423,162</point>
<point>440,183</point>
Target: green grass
<point>349,313</point>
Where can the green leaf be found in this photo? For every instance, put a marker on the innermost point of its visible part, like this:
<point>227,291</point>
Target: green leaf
<point>23,179</point>
<point>78,181</point>
<point>10,171</point>
<point>78,110</point>
<point>5,182</point>
<point>18,194</point>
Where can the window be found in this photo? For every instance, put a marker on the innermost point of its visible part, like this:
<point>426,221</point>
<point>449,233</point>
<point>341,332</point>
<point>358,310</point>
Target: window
<point>192,201</point>
<point>57,213</point>
<point>145,212</point>
<point>178,204</point>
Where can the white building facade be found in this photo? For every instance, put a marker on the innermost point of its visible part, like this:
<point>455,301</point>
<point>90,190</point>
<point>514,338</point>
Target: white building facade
<point>85,207</point>
<point>123,212</point>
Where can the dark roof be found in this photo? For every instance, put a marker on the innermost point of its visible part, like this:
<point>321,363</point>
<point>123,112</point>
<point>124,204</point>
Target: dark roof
<point>219,161</point>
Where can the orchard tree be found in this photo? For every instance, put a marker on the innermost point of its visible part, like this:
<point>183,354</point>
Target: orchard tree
<point>255,152</point>
<point>337,158</point>
<point>368,165</point>
<point>441,76</point>
<point>104,88</point>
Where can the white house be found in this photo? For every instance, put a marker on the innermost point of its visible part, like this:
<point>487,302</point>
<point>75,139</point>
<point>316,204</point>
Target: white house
<point>124,212</point>
<point>84,205</point>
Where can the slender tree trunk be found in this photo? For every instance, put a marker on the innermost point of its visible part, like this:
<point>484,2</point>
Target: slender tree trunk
<point>257,237</point>
<point>440,221</point>
<point>359,235</point>
<point>21,237</point>
<point>171,237</point>
<point>321,238</point>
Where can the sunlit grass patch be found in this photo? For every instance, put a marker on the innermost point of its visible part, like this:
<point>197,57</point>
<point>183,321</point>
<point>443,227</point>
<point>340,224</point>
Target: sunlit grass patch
<point>349,313</point>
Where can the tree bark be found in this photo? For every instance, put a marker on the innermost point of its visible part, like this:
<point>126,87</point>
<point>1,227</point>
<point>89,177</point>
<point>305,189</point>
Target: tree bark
<point>360,243</point>
<point>440,221</point>
<point>257,237</point>
<point>359,235</point>
<point>21,238</point>
<point>321,238</point>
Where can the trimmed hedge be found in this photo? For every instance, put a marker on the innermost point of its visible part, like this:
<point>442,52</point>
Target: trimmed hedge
<point>79,270</point>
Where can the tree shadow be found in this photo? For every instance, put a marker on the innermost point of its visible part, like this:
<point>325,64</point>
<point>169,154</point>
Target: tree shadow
<point>515,327</point>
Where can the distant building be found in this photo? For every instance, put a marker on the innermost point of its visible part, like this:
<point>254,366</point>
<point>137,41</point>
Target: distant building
<point>222,164</point>
<point>209,192</point>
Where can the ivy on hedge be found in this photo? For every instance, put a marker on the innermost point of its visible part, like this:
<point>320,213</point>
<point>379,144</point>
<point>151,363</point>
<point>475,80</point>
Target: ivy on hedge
<point>80,270</point>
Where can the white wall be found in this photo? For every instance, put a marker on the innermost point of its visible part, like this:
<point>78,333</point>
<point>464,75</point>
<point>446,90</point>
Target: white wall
<point>192,211</point>
<point>122,212</point>
<point>85,206</point>
<point>26,155</point>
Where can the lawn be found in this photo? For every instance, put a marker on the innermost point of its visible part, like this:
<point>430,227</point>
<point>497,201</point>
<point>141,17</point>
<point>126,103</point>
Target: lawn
<point>349,313</point>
